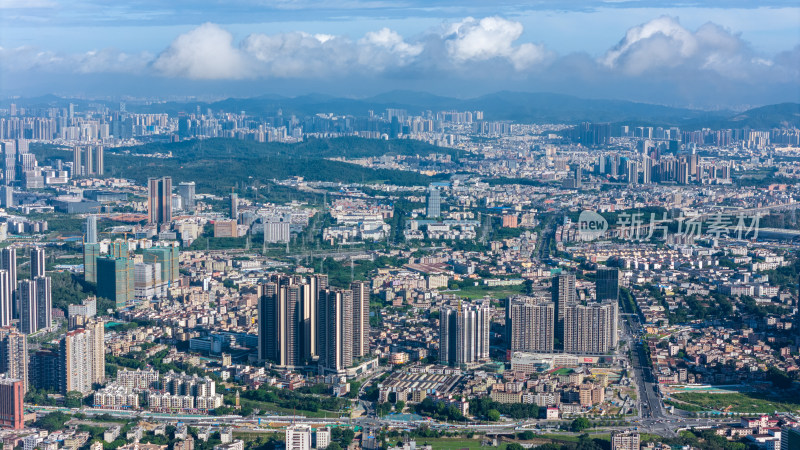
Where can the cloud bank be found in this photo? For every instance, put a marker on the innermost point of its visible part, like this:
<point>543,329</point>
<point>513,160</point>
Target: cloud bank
<point>660,52</point>
<point>209,52</point>
<point>663,44</point>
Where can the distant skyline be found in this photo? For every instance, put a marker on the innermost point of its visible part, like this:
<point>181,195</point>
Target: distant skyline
<point>693,54</point>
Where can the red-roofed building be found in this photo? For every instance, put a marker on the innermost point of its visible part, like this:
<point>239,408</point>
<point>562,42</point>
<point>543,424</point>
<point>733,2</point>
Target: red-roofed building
<point>11,396</point>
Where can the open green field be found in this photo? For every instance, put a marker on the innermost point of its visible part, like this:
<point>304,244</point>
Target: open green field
<point>739,402</point>
<point>477,292</point>
<point>247,437</point>
<point>684,406</point>
<point>573,437</point>
<point>455,443</point>
<point>272,407</point>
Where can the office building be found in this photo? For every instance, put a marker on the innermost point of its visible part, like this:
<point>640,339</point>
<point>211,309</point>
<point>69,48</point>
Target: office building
<point>44,370</point>
<point>6,299</point>
<point>361,294</point>
<point>14,355</point>
<point>44,302</point>
<point>37,262</point>
<point>625,440</point>
<point>464,334</point>
<point>302,323</point>
<point>96,329</point>
<point>682,175</point>
<point>87,160</point>
<point>26,297</point>
<point>169,259</point>
<point>115,280</point>
<point>564,294</point>
<point>267,323</point>
<point>147,282</point>
<point>91,229</point>
<point>322,438</point>
<point>226,228</point>
<point>118,249</point>
<point>76,355</point>
<point>647,170</point>
<point>90,254</point>
<point>11,409</point>
<point>434,203</point>
<point>790,438</point>
<point>530,325</point>
<point>309,297</point>
<point>6,196</point>
<point>159,200</point>
<point>186,191</point>
<point>298,437</point>
<point>235,206</point>
<point>88,308</point>
<point>280,326</point>
<point>8,262</point>
<point>591,329</point>
<point>632,172</point>
<point>276,229</point>
<point>9,162</point>
<point>78,315</point>
<point>335,330</point>
<point>607,284</point>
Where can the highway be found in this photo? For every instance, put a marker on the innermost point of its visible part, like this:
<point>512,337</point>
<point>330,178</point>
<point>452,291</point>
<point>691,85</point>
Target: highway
<point>651,416</point>
<point>666,426</point>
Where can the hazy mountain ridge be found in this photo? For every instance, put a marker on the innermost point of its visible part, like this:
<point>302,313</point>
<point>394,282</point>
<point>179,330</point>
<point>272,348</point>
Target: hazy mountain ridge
<point>521,107</point>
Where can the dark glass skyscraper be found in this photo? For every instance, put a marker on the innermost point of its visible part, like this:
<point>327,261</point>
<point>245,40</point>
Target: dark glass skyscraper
<point>434,203</point>
<point>564,295</point>
<point>159,204</point>
<point>607,284</point>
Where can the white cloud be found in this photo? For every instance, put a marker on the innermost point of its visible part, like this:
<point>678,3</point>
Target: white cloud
<point>94,61</point>
<point>26,4</point>
<point>386,48</point>
<point>297,54</point>
<point>660,52</point>
<point>489,38</point>
<point>209,52</point>
<point>663,43</point>
<point>391,41</point>
<point>206,52</point>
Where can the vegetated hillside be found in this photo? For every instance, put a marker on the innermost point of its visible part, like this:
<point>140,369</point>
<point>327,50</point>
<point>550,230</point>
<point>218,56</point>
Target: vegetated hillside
<point>558,108</point>
<point>346,147</point>
<point>514,106</point>
<point>218,164</point>
<point>770,116</point>
<point>782,115</point>
<point>523,107</point>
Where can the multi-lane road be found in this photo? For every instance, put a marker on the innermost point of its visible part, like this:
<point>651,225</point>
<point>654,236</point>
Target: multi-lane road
<point>650,409</point>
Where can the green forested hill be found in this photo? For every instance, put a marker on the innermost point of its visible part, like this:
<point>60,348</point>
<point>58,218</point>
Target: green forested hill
<point>347,147</point>
<point>216,165</point>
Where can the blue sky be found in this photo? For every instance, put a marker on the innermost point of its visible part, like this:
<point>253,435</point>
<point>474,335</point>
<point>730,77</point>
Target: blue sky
<point>702,54</point>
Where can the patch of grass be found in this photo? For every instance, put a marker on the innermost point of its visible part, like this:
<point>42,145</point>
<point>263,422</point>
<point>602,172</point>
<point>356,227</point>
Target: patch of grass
<point>559,437</point>
<point>477,292</point>
<point>272,407</point>
<point>454,443</point>
<point>253,436</point>
<point>739,402</point>
<point>684,406</point>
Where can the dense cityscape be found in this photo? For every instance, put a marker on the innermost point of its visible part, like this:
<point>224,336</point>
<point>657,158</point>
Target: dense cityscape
<point>404,271</point>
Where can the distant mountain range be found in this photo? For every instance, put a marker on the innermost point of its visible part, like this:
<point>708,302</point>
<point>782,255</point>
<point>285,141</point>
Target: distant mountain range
<point>514,106</point>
